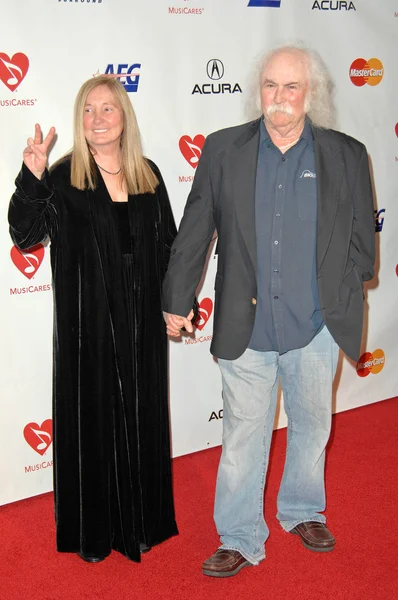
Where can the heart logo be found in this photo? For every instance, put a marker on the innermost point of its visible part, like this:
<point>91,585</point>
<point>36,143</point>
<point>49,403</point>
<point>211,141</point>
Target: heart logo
<point>39,437</point>
<point>396,129</point>
<point>13,70</point>
<point>28,261</point>
<point>205,310</point>
<point>191,149</point>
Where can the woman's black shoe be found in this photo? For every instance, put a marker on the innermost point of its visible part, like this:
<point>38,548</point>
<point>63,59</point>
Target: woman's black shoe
<point>91,558</point>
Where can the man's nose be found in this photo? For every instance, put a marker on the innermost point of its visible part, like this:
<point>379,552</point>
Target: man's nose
<point>279,95</point>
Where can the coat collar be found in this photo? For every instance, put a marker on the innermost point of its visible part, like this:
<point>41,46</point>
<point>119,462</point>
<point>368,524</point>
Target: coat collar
<point>244,165</point>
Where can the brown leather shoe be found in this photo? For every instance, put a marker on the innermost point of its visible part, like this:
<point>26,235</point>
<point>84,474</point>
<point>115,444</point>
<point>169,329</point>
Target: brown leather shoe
<point>315,536</point>
<point>225,563</point>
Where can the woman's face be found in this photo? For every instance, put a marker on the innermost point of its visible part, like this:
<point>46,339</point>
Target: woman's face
<point>102,119</point>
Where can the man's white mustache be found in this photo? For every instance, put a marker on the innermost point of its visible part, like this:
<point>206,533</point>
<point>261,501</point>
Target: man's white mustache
<point>283,108</point>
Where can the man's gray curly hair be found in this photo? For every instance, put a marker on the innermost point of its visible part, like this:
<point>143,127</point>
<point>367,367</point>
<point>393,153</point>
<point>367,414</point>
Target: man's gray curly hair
<point>319,104</point>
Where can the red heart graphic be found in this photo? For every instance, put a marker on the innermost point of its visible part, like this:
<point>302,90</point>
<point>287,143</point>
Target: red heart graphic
<point>191,149</point>
<point>13,70</point>
<point>396,129</point>
<point>205,310</point>
<point>39,437</point>
<point>28,261</point>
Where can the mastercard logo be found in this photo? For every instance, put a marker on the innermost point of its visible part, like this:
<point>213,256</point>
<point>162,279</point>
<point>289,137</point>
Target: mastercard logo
<point>370,71</point>
<point>371,362</point>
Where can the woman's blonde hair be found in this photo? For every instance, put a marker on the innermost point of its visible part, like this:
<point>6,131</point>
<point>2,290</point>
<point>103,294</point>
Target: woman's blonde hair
<point>136,171</point>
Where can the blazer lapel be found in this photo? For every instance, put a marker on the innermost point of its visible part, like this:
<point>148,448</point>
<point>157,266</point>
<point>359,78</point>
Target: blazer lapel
<point>330,169</point>
<point>243,168</point>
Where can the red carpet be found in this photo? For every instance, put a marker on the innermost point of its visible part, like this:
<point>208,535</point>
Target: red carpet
<point>362,513</point>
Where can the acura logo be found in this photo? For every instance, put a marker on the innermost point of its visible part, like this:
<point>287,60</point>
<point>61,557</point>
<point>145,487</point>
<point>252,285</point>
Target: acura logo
<point>215,69</point>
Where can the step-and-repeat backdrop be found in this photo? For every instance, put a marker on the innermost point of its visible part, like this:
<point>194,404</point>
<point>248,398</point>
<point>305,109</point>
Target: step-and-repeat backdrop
<point>188,68</point>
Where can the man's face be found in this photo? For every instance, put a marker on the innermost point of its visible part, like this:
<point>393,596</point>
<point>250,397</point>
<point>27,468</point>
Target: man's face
<point>284,87</point>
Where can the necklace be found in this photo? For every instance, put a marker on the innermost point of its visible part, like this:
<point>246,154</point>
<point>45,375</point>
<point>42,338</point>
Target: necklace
<point>109,172</point>
<point>287,145</point>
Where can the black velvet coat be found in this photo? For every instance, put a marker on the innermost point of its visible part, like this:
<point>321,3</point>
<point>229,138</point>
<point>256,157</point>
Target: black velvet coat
<point>112,471</point>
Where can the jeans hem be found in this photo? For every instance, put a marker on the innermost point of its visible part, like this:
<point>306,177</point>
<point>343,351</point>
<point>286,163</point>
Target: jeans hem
<point>289,525</point>
<point>253,561</point>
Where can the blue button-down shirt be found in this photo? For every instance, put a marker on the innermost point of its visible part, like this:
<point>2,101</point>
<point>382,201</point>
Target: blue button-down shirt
<point>288,313</point>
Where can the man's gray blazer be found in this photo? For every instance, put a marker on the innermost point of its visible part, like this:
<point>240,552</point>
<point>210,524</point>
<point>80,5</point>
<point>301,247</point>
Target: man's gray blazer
<point>223,198</point>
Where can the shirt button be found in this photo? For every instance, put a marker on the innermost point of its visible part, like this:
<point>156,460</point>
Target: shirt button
<point>276,297</point>
<point>276,270</point>
<point>280,186</point>
<point>254,301</point>
<point>276,242</point>
<point>283,159</point>
<point>278,215</point>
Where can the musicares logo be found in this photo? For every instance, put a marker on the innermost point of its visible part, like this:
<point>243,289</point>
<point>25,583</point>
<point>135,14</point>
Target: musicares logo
<point>28,261</point>
<point>371,362</point>
<point>39,437</point>
<point>205,310</point>
<point>370,72</point>
<point>13,70</point>
<point>191,149</point>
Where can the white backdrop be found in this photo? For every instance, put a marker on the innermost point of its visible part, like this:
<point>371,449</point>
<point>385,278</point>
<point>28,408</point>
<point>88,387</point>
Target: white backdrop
<point>167,49</point>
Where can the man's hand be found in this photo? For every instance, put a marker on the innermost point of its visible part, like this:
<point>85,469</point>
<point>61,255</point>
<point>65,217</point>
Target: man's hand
<point>174,323</point>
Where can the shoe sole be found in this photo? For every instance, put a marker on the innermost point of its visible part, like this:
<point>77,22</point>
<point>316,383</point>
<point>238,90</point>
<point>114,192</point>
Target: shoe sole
<point>313,548</point>
<point>228,573</point>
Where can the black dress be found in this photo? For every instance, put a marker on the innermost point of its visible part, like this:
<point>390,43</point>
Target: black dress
<point>112,466</point>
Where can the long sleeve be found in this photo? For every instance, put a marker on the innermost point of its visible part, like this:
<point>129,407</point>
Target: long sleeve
<point>188,253</point>
<point>168,226</point>
<point>362,250</point>
<point>32,213</point>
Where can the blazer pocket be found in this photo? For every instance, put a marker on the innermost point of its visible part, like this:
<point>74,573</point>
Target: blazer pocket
<point>352,279</point>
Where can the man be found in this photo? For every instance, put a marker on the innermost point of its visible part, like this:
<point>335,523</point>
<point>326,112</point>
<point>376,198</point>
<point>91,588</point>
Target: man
<point>292,205</point>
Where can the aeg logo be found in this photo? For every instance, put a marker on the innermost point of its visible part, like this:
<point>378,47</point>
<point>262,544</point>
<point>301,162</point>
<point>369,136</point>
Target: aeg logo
<point>13,70</point>
<point>269,3</point>
<point>128,75</point>
<point>379,220</point>
<point>371,362</point>
<point>370,72</point>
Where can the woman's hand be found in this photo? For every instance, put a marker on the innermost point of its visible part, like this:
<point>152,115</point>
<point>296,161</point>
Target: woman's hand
<point>35,155</point>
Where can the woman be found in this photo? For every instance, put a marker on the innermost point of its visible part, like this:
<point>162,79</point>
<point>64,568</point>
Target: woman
<point>107,213</point>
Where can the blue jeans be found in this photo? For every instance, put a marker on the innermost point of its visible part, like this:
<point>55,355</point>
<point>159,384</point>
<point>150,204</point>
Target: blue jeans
<point>250,385</point>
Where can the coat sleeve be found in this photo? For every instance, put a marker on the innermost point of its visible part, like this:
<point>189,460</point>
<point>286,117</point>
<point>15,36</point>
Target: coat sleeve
<point>362,246</point>
<point>32,213</point>
<point>167,223</point>
<point>189,250</point>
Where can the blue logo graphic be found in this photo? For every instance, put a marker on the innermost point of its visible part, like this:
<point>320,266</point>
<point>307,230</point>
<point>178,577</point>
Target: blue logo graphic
<point>128,75</point>
<point>379,220</point>
<point>270,3</point>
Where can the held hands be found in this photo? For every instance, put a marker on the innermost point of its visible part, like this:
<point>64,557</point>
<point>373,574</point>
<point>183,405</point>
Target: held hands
<point>35,155</point>
<point>174,323</point>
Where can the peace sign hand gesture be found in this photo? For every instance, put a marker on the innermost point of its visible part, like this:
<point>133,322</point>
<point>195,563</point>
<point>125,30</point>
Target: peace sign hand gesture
<point>35,155</point>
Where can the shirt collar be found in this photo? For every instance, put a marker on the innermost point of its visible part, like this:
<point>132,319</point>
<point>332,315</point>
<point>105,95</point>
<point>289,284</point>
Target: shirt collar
<point>305,135</point>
